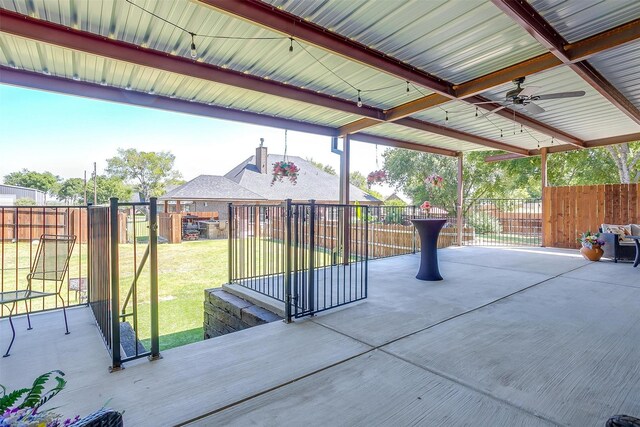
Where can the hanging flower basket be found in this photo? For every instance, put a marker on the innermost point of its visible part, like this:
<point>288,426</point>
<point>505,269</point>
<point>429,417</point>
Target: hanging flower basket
<point>434,180</point>
<point>376,177</point>
<point>426,206</point>
<point>285,169</point>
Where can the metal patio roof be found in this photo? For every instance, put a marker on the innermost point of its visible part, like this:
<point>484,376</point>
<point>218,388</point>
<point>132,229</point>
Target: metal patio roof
<point>417,65</point>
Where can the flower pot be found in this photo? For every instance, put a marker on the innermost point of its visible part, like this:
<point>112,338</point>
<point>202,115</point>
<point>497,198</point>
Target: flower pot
<point>592,254</point>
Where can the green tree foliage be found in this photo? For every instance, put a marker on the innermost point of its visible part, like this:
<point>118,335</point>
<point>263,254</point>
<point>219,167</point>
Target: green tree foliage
<point>72,190</point>
<point>149,172</point>
<point>407,170</point>
<point>359,180</point>
<point>43,181</point>
<point>110,186</point>
<point>25,201</point>
<point>327,168</point>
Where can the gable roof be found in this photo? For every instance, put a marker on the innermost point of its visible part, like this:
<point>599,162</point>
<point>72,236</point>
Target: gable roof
<point>312,183</point>
<point>211,187</point>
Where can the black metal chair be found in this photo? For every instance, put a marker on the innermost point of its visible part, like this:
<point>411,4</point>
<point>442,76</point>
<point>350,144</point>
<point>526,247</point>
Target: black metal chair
<point>51,263</point>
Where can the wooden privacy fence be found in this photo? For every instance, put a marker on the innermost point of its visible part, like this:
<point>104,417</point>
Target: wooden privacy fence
<point>570,211</point>
<point>30,222</point>
<point>385,240</point>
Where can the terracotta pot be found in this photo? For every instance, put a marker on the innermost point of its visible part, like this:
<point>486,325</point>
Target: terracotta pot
<point>593,254</point>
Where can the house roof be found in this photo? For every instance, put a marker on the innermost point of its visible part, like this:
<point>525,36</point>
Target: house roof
<point>209,187</point>
<point>312,183</point>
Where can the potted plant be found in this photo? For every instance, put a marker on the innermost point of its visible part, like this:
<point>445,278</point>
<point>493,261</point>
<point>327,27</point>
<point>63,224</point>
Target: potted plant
<point>433,180</point>
<point>285,169</point>
<point>376,177</point>
<point>426,207</point>
<point>591,246</point>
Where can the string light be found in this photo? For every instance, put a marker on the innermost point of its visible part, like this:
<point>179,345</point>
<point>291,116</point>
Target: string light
<point>476,111</point>
<point>501,134</point>
<point>194,52</point>
<point>359,99</point>
<point>290,44</point>
<point>408,86</point>
<point>446,116</point>
<point>521,130</point>
<point>552,139</point>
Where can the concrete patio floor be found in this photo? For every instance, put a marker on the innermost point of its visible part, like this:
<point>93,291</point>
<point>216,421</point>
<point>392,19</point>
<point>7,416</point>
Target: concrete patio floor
<point>517,337</point>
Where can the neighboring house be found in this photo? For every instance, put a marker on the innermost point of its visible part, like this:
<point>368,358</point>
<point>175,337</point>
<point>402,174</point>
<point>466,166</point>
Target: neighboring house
<point>395,198</point>
<point>10,193</point>
<point>250,183</point>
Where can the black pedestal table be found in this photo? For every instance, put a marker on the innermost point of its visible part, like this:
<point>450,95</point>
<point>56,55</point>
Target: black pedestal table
<point>429,230</point>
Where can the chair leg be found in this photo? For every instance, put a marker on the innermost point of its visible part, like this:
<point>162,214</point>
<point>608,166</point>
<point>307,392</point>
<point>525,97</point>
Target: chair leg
<point>26,307</point>
<point>13,330</point>
<point>64,311</point>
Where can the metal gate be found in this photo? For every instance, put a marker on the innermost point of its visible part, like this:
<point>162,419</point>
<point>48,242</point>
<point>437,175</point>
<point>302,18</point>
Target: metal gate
<point>504,222</point>
<point>118,319</point>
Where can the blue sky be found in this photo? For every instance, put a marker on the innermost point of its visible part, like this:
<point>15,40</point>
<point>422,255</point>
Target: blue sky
<point>66,134</point>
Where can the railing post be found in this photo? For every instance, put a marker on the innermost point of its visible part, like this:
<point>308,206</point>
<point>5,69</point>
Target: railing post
<point>312,261</point>
<point>115,285</point>
<point>413,230</point>
<point>287,273</point>
<point>89,242</point>
<point>230,243</point>
<point>153,255</point>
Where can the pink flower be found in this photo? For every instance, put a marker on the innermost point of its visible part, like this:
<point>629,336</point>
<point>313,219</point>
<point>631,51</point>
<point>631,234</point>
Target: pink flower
<point>425,206</point>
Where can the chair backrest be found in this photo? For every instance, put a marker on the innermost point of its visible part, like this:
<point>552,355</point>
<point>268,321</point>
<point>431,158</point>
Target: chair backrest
<point>52,257</point>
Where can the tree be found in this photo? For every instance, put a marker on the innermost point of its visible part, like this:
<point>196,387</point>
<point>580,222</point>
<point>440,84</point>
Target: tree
<point>150,171</point>
<point>72,190</point>
<point>43,181</point>
<point>108,187</point>
<point>359,180</point>
<point>626,158</point>
<point>407,170</point>
<point>25,201</point>
<point>327,168</point>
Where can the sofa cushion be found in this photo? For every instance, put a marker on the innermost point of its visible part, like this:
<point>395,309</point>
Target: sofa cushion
<point>635,229</point>
<point>620,230</point>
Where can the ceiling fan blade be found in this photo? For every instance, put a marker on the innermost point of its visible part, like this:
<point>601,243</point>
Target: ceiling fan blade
<point>559,95</point>
<point>493,111</point>
<point>533,108</point>
<point>529,91</point>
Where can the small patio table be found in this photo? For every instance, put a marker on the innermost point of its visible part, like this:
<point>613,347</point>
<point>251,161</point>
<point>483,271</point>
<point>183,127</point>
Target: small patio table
<point>429,230</point>
<point>636,239</point>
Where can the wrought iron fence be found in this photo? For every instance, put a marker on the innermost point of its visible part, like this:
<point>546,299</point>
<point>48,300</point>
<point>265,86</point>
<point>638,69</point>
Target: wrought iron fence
<point>310,256</point>
<point>124,280</point>
<point>505,222</point>
<point>20,230</point>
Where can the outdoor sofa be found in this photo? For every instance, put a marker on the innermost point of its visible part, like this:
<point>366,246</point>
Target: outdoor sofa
<point>616,246</point>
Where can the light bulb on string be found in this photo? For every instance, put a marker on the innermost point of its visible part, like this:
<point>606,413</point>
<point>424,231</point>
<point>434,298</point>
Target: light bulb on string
<point>194,52</point>
<point>407,86</point>
<point>446,116</point>
<point>552,139</point>
<point>290,44</point>
<point>501,136</point>
<point>359,100</point>
<point>476,111</point>
<point>521,128</point>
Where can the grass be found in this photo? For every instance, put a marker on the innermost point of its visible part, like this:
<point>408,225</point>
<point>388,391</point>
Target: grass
<point>184,271</point>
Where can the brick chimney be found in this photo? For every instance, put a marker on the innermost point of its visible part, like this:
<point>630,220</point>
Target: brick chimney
<point>261,157</point>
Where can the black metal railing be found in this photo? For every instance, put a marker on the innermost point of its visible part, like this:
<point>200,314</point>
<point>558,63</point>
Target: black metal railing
<point>124,279</point>
<point>505,222</point>
<point>20,230</point>
<point>310,256</point>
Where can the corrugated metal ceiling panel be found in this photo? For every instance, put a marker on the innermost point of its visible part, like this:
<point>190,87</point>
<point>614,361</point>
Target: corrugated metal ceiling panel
<point>39,57</point>
<point>587,117</point>
<point>392,130</point>
<point>462,117</point>
<point>454,40</point>
<point>622,68</point>
<point>579,19</point>
<point>264,58</point>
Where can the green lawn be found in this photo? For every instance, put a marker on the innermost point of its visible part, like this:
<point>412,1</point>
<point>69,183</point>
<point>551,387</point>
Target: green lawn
<point>184,271</point>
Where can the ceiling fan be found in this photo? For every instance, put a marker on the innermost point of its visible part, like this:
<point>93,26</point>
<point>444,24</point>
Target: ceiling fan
<point>522,98</point>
